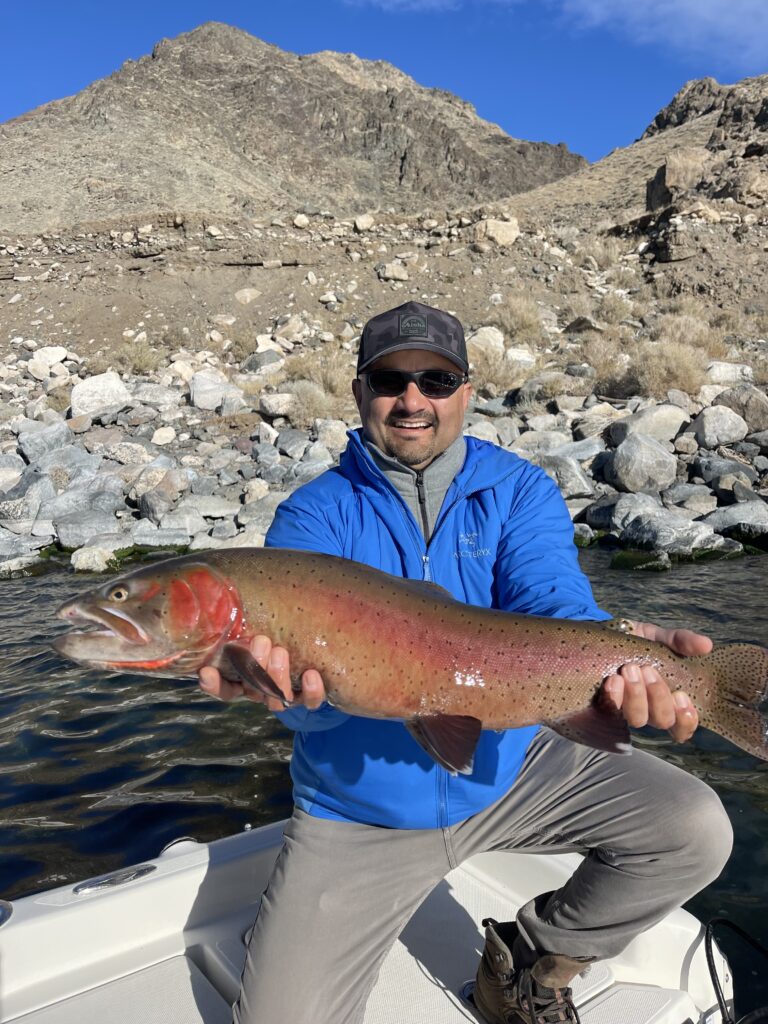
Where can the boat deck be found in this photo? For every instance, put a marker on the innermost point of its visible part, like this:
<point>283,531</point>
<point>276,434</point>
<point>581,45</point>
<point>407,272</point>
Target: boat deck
<point>168,948</point>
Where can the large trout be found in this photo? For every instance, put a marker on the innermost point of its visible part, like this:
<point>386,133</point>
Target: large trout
<point>393,648</point>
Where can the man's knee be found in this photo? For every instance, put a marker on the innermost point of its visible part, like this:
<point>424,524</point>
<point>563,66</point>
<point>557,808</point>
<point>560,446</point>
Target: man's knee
<point>704,834</point>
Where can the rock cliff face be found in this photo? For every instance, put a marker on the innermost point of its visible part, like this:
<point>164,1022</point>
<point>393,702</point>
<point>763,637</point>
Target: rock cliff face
<point>217,121</point>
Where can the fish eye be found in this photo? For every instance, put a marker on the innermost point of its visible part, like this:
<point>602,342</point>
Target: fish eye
<point>119,594</point>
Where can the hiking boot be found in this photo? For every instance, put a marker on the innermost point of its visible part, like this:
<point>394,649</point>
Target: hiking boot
<point>534,994</point>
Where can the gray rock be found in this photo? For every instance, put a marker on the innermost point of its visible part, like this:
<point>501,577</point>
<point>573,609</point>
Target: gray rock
<point>718,425</point>
<point>154,504</point>
<point>11,469</point>
<point>99,557</point>
<point>494,408</point>
<point>583,534</point>
<point>748,402</point>
<point>258,360</point>
<point>332,433</point>
<point>101,493</point>
<point>67,463</point>
<point>711,467</point>
<point>507,429</point>
<point>156,394</point>
<point>210,506</point>
<point>661,422</point>
<point>668,531</point>
<point>207,389</point>
<point>582,451</point>
<point>99,393</point>
<point>761,440</point>
<point>259,514</point>
<point>11,546</point>
<point>695,498</point>
<point>483,430</point>
<point>540,441</point>
<point>187,519</point>
<point>599,514</point>
<point>34,444</point>
<point>265,454</point>
<point>279,404</point>
<point>302,472</point>
<point>292,443</point>
<point>83,528</point>
<point>641,464</point>
<point>128,453</point>
<point>147,535</point>
<point>224,529</point>
<point>570,478</point>
<point>628,507</point>
<point>743,514</point>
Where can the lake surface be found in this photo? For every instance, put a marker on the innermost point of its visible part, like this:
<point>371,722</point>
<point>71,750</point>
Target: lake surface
<point>97,772</point>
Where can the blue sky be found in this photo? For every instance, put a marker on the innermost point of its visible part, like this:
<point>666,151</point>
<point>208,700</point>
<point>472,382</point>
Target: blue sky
<point>590,73</point>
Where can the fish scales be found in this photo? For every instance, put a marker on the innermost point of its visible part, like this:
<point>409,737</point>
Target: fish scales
<point>393,648</point>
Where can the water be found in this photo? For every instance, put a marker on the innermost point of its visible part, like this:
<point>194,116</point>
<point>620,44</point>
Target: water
<point>98,772</point>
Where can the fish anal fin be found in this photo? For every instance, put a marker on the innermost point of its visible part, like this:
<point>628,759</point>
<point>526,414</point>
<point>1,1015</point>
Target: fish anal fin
<point>601,725</point>
<point>238,663</point>
<point>448,739</point>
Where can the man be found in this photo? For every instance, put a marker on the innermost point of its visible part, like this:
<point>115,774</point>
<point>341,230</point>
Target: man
<point>377,823</point>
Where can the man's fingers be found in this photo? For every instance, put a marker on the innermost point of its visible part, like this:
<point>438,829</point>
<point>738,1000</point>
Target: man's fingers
<point>212,683</point>
<point>313,689</point>
<point>634,704</point>
<point>682,641</point>
<point>661,706</point>
<point>687,717</point>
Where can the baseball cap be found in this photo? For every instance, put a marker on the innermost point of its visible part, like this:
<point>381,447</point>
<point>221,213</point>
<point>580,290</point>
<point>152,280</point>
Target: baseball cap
<point>413,325</point>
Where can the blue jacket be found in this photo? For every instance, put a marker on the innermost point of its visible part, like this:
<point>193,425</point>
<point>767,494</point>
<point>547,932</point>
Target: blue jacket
<point>503,539</point>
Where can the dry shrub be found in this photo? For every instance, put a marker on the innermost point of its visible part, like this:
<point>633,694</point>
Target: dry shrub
<point>623,276</point>
<point>658,366</point>
<point>496,374</point>
<point>687,305</point>
<point>128,356</point>
<point>311,403</point>
<point>683,329</point>
<point>604,353</point>
<point>604,251</point>
<point>518,317</point>
<point>332,369</point>
<point>576,306</point>
<point>614,308</point>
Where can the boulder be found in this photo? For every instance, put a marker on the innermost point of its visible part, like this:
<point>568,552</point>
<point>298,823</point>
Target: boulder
<point>485,343</point>
<point>729,373</point>
<point>539,441</point>
<point>641,464</point>
<point>750,403</point>
<point>502,232</point>
<point>718,425</point>
<point>570,478</point>
<point>80,529</point>
<point>628,507</point>
<point>661,422</point>
<point>207,389</point>
<point>98,393</point>
<point>673,533</point>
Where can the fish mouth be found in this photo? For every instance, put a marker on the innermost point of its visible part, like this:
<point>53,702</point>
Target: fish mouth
<point>109,639</point>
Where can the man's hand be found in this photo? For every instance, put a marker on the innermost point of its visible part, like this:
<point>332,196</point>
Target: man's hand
<point>275,661</point>
<point>644,697</point>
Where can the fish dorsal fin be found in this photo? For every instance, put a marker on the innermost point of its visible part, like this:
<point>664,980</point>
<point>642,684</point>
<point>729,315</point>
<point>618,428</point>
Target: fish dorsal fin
<point>601,725</point>
<point>449,739</point>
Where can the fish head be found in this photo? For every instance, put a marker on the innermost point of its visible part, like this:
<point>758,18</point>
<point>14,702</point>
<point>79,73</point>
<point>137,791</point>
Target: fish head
<point>165,620</point>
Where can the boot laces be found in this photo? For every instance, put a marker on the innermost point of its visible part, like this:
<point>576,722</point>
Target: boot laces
<point>540,1009</point>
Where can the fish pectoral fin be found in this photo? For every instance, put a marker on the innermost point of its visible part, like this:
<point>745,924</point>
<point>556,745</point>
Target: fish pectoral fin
<point>249,672</point>
<point>449,739</point>
<point>601,725</point>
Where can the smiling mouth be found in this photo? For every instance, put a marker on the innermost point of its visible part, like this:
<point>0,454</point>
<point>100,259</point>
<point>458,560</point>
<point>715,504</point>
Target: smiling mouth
<point>411,425</point>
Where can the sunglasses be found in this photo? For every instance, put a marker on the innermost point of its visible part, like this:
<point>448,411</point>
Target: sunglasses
<point>431,383</point>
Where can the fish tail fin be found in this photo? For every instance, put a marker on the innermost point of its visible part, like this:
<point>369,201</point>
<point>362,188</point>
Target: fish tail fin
<point>732,705</point>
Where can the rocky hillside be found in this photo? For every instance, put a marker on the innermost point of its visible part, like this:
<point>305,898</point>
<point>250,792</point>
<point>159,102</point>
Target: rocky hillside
<point>217,122</point>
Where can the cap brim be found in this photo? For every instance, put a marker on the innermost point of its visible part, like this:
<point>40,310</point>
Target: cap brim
<point>425,346</point>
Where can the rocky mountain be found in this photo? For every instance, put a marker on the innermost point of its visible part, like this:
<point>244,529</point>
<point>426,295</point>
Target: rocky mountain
<point>218,122</point>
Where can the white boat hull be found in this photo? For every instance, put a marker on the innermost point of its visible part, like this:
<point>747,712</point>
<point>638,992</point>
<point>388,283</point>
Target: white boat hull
<point>168,946</point>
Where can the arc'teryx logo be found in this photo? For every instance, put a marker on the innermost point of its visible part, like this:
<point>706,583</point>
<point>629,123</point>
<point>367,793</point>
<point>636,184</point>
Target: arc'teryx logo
<point>468,547</point>
<point>413,325</point>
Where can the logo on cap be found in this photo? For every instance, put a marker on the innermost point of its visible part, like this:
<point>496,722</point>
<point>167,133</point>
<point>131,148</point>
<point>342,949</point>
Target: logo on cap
<point>413,325</point>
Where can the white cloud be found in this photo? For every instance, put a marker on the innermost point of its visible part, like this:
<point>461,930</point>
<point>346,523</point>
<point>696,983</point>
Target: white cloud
<point>732,33</point>
<point>735,32</point>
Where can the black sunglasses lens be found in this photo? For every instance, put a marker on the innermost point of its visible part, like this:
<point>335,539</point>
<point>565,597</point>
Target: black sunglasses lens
<point>438,384</point>
<point>431,383</point>
<point>388,383</point>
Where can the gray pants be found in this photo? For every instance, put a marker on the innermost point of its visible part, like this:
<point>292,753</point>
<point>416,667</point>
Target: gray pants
<point>340,893</point>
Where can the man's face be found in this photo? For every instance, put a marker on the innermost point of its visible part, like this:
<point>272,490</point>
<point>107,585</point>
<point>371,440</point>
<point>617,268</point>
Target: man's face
<point>412,428</point>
